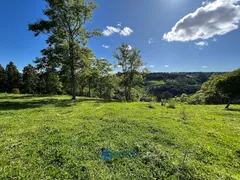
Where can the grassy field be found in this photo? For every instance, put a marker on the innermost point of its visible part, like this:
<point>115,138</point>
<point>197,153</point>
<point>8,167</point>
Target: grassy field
<point>52,137</point>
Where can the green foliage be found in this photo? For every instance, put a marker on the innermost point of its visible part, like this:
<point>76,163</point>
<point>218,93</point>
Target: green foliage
<point>158,98</point>
<point>183,113</point>
<point>229,85</point>
<point>166,95</point>
<point>13,77</point>
<point>129,59</point>
<point>51,137</point>
<point>15,91</point>
<point>54,85</point>
<point>210,91</point>
<point>30,79</point>
<point>65,26</point>
<point>171,104</point>
<point>221,89</point>
<point>184,98</point>
<point>197,98</point>
<point>3,79</point>
<point>175,83</point>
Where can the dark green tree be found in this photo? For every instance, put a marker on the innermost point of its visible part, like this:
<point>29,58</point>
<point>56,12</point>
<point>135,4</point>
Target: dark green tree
<point>13,77</point>
<point>65,27</point>
<point>3,79</point>
<point>30,79</point>
<point>129,59</point>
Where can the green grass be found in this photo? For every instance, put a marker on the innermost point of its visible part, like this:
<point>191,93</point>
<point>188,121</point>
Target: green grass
<point>53,138</point>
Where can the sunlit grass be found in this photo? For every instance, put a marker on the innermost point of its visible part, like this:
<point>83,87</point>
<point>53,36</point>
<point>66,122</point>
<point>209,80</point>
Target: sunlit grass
<point>51,137</point>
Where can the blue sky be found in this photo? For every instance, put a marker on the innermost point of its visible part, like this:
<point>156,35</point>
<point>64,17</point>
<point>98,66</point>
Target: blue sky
<point>206,40</point>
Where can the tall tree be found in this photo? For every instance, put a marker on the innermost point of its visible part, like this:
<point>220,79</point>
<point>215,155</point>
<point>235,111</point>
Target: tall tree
<point>3,79</point>
<point>30,79</point>
<point>65,26</point>
<point>229,85</point>
<point>103,78</point>
<point>13,77</point>
<point>130,61</point>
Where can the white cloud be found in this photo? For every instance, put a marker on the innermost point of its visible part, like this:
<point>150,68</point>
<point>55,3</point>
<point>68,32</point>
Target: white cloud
<point>119,24</point>
<point>204,67</point>
<point>205,3</point>
<point>143,66</point>
<point>151,66</point>
<point>126,31</point>
<point>129,47</point>
<point>214,39</point>
<point>215,18</point>
<point>150,41</point>
<point>110,30</point>
<point>118,66</point>
<point>201,43</point>
<point>166,66</point>
<point>105,46</point>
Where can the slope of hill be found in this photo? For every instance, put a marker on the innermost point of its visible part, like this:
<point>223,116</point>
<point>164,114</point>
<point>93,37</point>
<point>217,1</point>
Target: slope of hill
<point>176,83</point>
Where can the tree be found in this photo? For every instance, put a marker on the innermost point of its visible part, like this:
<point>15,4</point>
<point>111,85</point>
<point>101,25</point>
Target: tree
<point>229,85</point>
<point>130,61</point>
<point>65,26</point>
<point>30,79</point>
<point>53,83</point>
<point>3,79</point>
<point>13,77</point>
<point>211,93</point>
<point>104,80</point>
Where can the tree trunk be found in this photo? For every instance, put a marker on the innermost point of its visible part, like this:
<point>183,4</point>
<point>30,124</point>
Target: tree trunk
<point>228,104</point>
<point>89,87</point>
<point>71,58</point>
<point>73,84</point>
<point>126,95</point>
<point>129,93</point>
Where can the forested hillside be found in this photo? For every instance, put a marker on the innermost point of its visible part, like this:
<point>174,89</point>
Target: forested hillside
<point>176,83</point>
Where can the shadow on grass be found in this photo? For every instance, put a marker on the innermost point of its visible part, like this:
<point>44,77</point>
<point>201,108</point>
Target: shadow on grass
<point>28,96</point>
<point>234,110</point>
<point>27,103</point>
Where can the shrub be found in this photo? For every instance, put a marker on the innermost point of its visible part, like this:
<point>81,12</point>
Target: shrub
<point>197,98</point>
<point>15,91</point>
<point>184,98</point>
<point>183,114</point>
<point>158,98</point>
<point>151,106</point>
<point>171,104</point>
<point>146,99</point>
<point>134,94</point>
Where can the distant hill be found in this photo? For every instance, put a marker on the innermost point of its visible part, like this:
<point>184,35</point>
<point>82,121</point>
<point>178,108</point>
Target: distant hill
<point>176,83</point>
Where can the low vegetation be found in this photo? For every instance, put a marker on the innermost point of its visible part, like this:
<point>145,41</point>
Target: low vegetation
<point>52,137</point>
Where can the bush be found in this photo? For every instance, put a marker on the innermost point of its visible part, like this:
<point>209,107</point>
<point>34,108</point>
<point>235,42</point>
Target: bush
<point>146,99</point>
<point>134,94</point>
<point>197,98</point>
<point>184,98</point>
<point>158,98</point>
<point>15,91</point>
<point>183,114</point>
<point>171,104</point>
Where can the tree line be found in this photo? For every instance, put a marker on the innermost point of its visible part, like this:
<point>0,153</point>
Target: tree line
<point>94,78</point>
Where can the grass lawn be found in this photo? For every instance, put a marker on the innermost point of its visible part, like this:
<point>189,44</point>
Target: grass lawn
<point>53,138</point>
